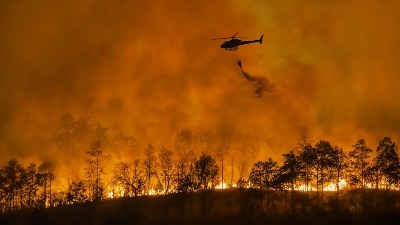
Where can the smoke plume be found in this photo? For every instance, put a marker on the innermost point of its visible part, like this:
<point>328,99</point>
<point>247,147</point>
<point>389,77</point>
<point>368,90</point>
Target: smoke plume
<point>261,84</point>
<point>148,69</point>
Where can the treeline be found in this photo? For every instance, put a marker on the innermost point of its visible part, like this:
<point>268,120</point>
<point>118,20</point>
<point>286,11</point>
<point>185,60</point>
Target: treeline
<point>31,187</point>
<point>25,187</point>
<point>309,167</point>
<point>310,170</point>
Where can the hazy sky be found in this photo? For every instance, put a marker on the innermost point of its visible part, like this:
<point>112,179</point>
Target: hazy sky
<point>142,67</point>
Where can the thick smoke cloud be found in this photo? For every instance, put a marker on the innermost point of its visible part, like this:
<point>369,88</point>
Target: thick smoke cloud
<point>145,67</point>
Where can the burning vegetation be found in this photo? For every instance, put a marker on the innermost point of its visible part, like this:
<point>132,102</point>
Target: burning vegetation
<point>194,163</point>
<point>160,112</point>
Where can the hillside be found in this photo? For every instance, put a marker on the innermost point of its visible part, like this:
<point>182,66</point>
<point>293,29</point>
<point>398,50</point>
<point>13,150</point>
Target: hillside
<point>213,207</point>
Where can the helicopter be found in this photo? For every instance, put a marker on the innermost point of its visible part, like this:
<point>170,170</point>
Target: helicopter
<point>232,45</point>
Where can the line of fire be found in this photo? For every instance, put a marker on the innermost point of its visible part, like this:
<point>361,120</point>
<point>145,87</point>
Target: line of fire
<point>193,162</point>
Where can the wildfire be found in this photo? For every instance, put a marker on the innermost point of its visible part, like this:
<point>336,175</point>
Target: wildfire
<point>221,185</point>
<point>115,192</point>
<point>153,192</point>
<point>110,194</point>
<point>329,187</point>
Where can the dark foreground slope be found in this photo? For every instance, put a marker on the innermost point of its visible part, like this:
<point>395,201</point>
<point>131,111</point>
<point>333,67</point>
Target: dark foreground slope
<point>214,207</point>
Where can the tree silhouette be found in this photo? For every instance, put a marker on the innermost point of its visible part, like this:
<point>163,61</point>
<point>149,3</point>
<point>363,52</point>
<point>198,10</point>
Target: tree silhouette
<point>138,179</point>
<point>224,140</point>
<point>289,173</point>
<point>184,164</point>
<point>258,175</point>
<point>324,162</point>
<point>46,174</point>
<point>32,178</point>
<point>11,182</point>
<point>387,162</point>
<point>338,167</point>
<point>122,176</point>
<point>77,192</point>
<point>371,175</point>
<point>206,172</point>
<point>358,163</point>
<point>95,169</point>
<point>166,169</point>
<point>307,159</point>
<point>130,177</point>
<point>185,175</point>
<point>291,169</point>
<point>262,177</point>
<point>150,164</point>
<point>243,158</point>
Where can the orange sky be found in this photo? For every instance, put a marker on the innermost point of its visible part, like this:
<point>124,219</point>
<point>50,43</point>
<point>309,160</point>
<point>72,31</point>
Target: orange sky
<point>143,67</point>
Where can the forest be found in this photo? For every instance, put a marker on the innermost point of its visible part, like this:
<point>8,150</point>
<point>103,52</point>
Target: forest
<point>309,179</point>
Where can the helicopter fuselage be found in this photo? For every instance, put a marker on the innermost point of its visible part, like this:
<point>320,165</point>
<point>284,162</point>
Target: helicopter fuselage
<point>233,44</point>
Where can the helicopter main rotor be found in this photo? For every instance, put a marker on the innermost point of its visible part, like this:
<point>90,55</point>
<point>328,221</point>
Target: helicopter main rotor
<point>232,37</point>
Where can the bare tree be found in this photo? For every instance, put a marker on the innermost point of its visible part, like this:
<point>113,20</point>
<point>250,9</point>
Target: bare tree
<point>130,177</point>
<point>243,152</point>
<point>339,167</point>
<point>46,173</point>
<point>167,169</point>
<point>150,164</point>
<point>307,157</point>
<point>95,169</point>
<point>138,179</point>
<point>223,145</point>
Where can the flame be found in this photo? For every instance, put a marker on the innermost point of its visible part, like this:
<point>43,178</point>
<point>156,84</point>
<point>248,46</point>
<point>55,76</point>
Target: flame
<point>303,188</point>
<point>153,192</point>
<point>110,194</point>
<point>329,187</point>
<point>332,186</point>
<point>116,192</point>
<point>221,185</point>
